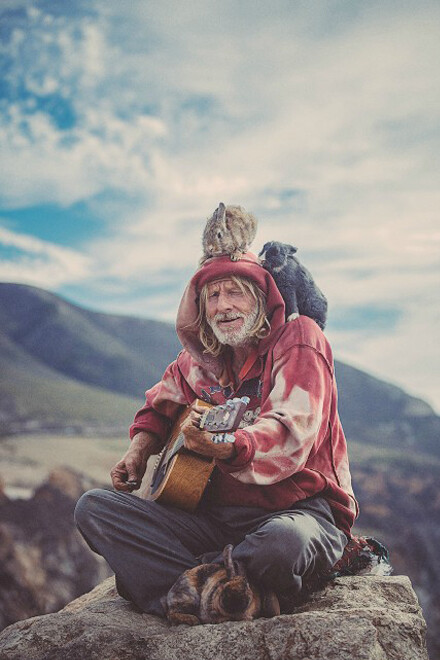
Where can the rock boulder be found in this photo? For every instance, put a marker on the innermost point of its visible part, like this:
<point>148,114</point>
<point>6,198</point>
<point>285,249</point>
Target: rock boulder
<point>367,618</point>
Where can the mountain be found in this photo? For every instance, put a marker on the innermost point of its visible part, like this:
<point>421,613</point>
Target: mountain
<point>63,366</point>
<point>116,353</point>
<point>379,413</point>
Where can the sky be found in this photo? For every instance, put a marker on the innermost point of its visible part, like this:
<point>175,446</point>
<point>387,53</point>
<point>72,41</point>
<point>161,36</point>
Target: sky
<point>123,124</point>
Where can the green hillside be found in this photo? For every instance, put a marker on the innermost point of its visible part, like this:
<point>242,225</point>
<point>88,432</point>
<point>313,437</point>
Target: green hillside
<point>47,401</point>
<point>120,354</point>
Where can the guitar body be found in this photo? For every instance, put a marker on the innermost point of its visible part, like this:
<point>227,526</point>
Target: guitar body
<point>180,476</point>
<point>185,481</point>
<point>186,475</point>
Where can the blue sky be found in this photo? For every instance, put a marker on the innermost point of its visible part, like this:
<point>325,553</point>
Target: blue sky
<point>123,123</point>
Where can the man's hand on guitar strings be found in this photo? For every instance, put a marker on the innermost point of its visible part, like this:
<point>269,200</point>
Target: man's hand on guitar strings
<point>124,475</point>
<point>200,441</point>
<point>127,474</point>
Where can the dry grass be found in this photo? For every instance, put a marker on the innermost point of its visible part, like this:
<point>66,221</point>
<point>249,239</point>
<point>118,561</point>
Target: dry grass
<point>27,460</point>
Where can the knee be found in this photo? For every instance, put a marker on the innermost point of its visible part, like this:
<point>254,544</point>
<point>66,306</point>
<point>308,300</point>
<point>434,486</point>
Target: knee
<point>89,505</point>
<point>283,542</point>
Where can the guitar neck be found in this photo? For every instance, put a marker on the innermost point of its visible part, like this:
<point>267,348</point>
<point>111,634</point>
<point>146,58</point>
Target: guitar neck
<point>218,420</point>
<point>226,416</point>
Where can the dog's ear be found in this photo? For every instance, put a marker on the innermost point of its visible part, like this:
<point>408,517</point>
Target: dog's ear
<point>270,605</point>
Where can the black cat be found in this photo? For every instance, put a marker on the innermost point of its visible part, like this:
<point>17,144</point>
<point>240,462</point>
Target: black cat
<point>296,284</point>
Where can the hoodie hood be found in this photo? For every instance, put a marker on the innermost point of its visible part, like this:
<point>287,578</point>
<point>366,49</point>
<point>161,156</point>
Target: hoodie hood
<point>220,268</point>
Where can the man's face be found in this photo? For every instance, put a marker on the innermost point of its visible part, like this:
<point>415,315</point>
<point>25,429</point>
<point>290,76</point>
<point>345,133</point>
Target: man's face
<point>230,312</point>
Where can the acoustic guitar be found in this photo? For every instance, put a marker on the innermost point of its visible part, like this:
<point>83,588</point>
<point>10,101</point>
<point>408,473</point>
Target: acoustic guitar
<point>180,476</point>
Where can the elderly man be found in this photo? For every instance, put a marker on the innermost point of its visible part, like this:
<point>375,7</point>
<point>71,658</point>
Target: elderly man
<point>280,493</point>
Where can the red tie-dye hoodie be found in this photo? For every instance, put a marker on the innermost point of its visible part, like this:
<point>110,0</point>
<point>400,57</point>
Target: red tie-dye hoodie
<point>290,444</point>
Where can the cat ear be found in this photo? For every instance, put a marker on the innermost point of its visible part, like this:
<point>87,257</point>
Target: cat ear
<point>228,561</point>
<point>239,568</point>
<point>233,568</point>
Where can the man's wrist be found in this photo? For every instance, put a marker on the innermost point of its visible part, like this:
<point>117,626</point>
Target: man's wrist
<point>146,441</point>
<point>227,452</point>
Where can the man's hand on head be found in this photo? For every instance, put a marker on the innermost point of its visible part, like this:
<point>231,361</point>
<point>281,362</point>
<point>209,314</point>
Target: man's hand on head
<point>200,441</point>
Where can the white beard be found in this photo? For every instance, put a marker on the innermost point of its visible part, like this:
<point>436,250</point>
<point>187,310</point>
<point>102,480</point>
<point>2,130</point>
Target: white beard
<point>237,337</point>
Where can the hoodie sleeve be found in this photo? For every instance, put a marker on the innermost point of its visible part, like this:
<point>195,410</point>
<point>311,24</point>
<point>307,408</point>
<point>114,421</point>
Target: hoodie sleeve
<point>293,420</point>
<point>162,404</point>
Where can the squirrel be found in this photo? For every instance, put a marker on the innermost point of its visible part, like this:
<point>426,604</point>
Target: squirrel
<point>230,230</point>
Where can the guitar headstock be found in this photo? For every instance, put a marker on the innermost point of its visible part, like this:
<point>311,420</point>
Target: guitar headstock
<point>225,417</point>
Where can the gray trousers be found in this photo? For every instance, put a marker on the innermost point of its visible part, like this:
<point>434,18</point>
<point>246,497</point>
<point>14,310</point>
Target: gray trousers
<point>148,545</point>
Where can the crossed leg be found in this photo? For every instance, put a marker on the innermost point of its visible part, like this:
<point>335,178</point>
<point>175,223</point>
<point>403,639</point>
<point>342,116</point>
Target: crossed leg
<point>148,545</point>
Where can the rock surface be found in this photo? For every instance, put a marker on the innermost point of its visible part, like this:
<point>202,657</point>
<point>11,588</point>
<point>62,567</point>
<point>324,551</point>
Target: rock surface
<point>367,618</point>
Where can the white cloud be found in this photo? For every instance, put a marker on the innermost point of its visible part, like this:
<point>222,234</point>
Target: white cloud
<point>161,306</point>
<point>407,355</point>
<point>40,262</point>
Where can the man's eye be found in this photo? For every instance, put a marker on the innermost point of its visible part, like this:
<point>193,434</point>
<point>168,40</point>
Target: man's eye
<point>213,295</point>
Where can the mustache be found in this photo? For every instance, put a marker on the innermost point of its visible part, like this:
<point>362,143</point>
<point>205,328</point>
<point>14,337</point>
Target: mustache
<point>227,316</point>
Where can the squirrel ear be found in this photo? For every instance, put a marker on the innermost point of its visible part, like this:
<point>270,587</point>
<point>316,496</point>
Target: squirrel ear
<point>221,214</point>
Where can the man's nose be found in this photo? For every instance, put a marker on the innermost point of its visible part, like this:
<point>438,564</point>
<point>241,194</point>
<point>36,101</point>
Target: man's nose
<point>223,303</point>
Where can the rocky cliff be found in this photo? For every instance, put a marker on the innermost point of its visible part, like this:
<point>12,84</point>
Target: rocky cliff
<point>367,618</point>
<point>44,562</point>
